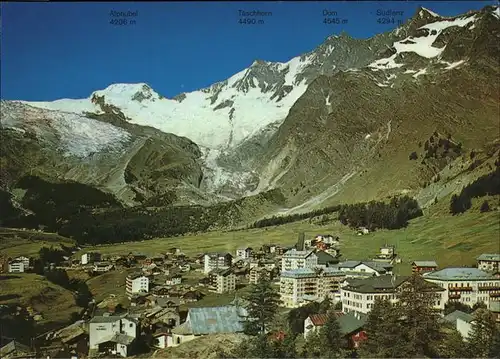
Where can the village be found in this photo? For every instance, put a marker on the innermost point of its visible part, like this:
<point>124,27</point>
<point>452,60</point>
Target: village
<point>164,294</point>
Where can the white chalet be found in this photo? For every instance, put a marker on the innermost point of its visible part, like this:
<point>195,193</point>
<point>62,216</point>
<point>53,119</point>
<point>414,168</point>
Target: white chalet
<point>112,334</point>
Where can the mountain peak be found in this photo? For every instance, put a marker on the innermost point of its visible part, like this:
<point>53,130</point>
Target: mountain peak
<point>424,12</point>
<point>259,62</point>
<point>128,91</point>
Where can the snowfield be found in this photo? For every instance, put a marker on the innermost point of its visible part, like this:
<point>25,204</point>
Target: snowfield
<point>423,45</point>
<point>195,116</point>
<point>78,136</point>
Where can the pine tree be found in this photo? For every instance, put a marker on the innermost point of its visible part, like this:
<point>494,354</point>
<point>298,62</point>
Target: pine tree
<point>284,348</point>
<point>330,338</point>
<point>485,207</point>
<point>312,347</point>
<point>263,303</point>
<point>383,331</point>
<point>450,345</point>
<point>483,335</point>
<point>419,320</point>
<point>325,305</point>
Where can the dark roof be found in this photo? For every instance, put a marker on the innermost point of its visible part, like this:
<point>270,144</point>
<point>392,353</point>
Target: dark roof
<point>452,317</point>
<point>15,348</point>
<point>432,264</point>
<point>194,294</point>
<point>165,302</point>
<point>349,264</point>
<point>349,322</point>
<point>325,258</point>
<point>377,284</point>
<point>135,275</point>
<point>106,319</point>
<point>219,254</point>
<point>221,271</point>
<point>489,257</point>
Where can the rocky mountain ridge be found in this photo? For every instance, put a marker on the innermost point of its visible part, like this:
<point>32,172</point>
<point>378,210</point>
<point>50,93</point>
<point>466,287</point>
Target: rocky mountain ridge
<point>310,127</point>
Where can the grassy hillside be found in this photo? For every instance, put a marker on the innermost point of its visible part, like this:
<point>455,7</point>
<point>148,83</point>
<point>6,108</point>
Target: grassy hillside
<point>451,240</point>
<point>17,242</point>
<point>53,302</point>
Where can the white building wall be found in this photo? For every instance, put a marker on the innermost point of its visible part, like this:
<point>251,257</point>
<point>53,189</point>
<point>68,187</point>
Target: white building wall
<point>467,297</point>
<point>121,350</point>
<point>363,302</point>
<point>161,341</point>
<point>97,331</point>
<point>17,267</point>
<point>292,261</point>
<point>129,327</point>
<point>139,284</point>
<point>464,328</point>
<point>363,268</point>
<point>25,260</point>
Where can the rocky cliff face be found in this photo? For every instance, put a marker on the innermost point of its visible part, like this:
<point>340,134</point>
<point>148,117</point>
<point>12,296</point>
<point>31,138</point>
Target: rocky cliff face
<point>104,151</point>
<point>350,135</point>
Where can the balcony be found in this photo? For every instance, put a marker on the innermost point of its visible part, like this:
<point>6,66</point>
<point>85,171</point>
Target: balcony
<point>454,296</point>
<point>460,289</point>
<point>488,287</point>
<point>495,295</point>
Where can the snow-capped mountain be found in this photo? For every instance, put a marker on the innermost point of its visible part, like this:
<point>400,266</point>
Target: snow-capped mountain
<point>248,127</point>
<point>235,115</point>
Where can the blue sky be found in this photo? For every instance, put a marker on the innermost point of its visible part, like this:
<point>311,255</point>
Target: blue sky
<point>68,50</point>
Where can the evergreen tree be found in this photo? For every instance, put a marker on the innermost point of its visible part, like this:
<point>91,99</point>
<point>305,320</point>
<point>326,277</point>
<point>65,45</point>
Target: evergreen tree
<point>483,335</point>
<point>419,320</point>
<point>263,303</point>
<point>284,348</point>
<point>383,330</point>
<point>451,306</point>
<point>313,346</point>
<point>485,207</point>
<point>297,316</point>
<point>331,339</point>
<point>450,345</point>
<point>83,296</point>
<point>325,306</point>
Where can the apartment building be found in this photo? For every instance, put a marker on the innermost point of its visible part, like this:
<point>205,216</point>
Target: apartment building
<point>301,285</point>
<point>294,259</point>
<point>258,273</point>
<point>136,283</point>
<point>466,285</point>
<point>488,262</point>
<point>217,260</point>
<point>360,294</point>
<point>222,280</point>
<point>91,257</point>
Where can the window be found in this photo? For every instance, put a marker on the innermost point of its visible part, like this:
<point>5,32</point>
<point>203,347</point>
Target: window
<point>131,325</point>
